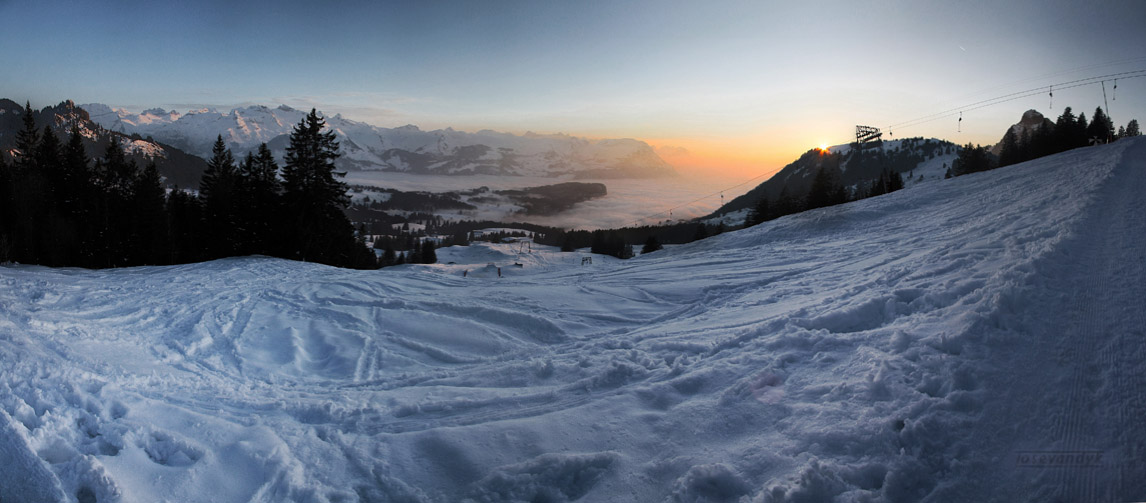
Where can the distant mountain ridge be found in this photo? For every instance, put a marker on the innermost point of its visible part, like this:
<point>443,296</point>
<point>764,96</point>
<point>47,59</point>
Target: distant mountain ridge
<point>176,166</point>
<point>915,159</point>
<point>402,149</point>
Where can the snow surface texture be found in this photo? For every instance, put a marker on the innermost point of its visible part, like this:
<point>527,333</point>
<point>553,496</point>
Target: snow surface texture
<point>947,342</point>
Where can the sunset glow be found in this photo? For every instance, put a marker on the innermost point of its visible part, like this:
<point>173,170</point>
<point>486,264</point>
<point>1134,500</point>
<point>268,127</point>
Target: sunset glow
<point>742,88</point>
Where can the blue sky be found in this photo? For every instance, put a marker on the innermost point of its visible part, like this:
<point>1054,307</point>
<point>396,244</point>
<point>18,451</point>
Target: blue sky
<point>742,85</point>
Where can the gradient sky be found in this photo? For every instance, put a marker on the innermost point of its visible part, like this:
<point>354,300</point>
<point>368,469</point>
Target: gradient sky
<point>739,87</point>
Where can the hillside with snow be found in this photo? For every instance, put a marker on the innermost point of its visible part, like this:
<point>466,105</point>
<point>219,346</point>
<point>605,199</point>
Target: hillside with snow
<point>973,339</point>
<point>917,160</point>
<point>176,166</point>
<point>405,149</point>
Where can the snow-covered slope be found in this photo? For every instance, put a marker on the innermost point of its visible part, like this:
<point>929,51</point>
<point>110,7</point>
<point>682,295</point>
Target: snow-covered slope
<point>946,343</point>
<point>917,160</point>
<point>406,148</point>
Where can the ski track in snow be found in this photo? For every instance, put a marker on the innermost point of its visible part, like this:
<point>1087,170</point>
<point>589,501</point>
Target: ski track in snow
<point>908,347</point>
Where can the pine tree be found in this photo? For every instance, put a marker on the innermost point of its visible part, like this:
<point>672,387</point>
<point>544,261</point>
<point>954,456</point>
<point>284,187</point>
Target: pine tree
<point>388,257</point>
<point>52,232</point>
<point>116,176</point>
<point>785,204</point>
<point>651,245</point>
<point>185,226</point>
<point>219,191</point>
<point>149,240</point>
<point>826,189</point>
<point>1009,152</point>
<point>701,232</point>
<point>972,159</point>
<point>1079,132</point>
<point>6,223</point>
<point>759,213</point>
<point>1064,128</point>
<point>26,191</point>
<point>429,256</point>
<point>1100,127</point>
<point>1132,128</point>
<point>894,181</point>
<point>259,202</point>
<point>26,140</point>
<point>569,243</point>
<point>314,198</point>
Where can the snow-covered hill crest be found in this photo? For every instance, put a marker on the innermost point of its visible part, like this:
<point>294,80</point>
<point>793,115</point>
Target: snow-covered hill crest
<point>404,149</point>
<point>946,343</point>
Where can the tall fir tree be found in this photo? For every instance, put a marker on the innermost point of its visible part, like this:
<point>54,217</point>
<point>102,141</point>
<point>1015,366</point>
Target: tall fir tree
<point>760,212</point>
<point>429,256</point>
<point>116,180</point>
<point>826,189</point>
<point>25,192</point>
<point>1010,152</point>
<point>651,245</point>
<point>149,238</point>
<point>219,192</point>
<point>185,227</point>
<point>260,202</point>
<point>315,199</point>
<point>1079,133</point>
<point>1101,128</point>
<point>1064,132</point>
<point>1132,128</point>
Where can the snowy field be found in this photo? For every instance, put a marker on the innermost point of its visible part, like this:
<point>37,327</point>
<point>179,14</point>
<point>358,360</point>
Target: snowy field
<point>975,339</point>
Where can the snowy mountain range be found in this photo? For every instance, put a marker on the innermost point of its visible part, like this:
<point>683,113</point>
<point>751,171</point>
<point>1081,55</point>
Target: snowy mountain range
<point>403,149</point>
<point>177,167</point>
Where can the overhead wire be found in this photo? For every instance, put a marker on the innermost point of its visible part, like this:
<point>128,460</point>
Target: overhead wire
<point>934,117</point>
<point>1014,96</point>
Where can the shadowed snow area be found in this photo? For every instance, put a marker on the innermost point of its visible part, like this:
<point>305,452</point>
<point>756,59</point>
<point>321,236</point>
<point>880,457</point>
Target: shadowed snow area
<point>979,338</point>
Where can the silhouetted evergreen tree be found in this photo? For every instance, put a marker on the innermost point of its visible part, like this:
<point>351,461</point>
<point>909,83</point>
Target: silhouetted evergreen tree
<point>219,192</point>
<point>1080,128</point>
<point>826,189</point>
<point>1132,128</point>
<point>28,191</point>
<point>116,179</point>
<point>972,159</point>
<point>1066,133</point>
<point>1101,128</point>
<point>651,245</point>
<point>314,199</point>
<point>785,203</point>
<point>6,211</point>
<point>701,232</point>
<point>388,257</point>
<point>569,243</point>
<point>149,241</point>
<point>260,203</point>
<point>429,256</point>
<point>185,224</point>
<point>759,213</point>
<point>1010,152</point>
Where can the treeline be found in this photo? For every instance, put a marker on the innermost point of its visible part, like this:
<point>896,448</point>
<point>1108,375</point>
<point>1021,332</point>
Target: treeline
<point>60,208</point>
<point>1066,133</point>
